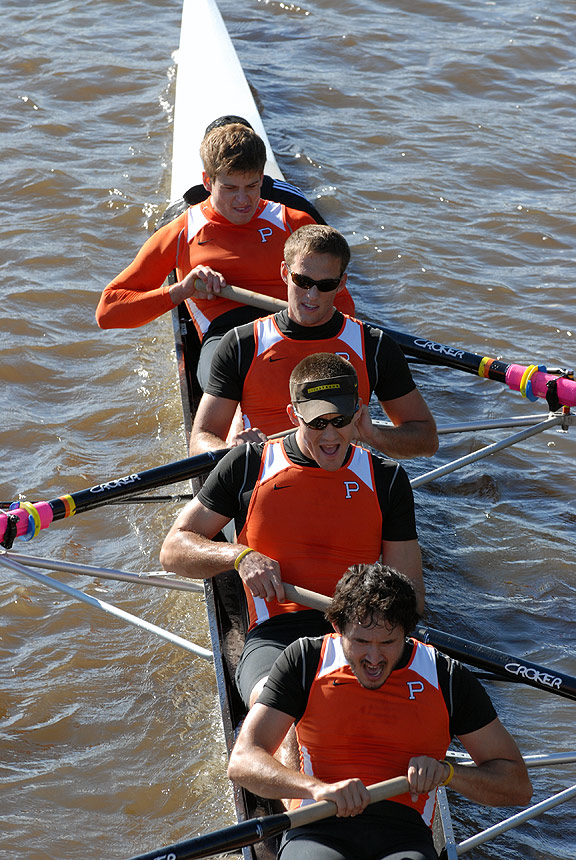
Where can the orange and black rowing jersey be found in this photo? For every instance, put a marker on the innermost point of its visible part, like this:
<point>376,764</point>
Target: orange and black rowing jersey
<point>253,362</point>
<point>315,523</point>
<point>346,731</point>
<point>247,255</point>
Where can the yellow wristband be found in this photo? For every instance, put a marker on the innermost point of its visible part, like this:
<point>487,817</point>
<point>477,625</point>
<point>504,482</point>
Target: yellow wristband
<point>450,772</point>
<point>240,556</point>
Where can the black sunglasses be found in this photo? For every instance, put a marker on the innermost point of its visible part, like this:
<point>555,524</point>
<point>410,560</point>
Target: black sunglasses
<point>322,423</point>
<point>306,283</point>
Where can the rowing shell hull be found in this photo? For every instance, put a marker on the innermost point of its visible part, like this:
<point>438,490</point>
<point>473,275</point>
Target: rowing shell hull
<point>205,43</point>
<point>210,82</point>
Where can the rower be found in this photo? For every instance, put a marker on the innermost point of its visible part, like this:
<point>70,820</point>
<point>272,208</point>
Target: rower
<point>305,508</point>
<point>274,189</point>
<point>234,236</point>
<point>370,704</point>
<point>251,365</point>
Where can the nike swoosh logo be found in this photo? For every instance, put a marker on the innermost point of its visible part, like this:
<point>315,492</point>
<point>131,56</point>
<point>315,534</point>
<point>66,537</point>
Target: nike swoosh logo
<point>282,486</point>
<point>282,358</point>
<point>340,683</point>
<point>205,242</point>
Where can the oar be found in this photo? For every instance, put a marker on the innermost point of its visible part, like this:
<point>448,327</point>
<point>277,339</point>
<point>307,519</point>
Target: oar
<point>532,381</point>
<point>507,666</point>
<point>6,561</point>
<point>257,829</point>
<point>510,668</point>
<point>26,519</point>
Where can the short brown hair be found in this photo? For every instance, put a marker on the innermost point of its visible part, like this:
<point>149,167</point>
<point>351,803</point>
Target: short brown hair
<point>317,239</point>
<point>371,595</point>
<point>320,365</point>
<point>232,147</point>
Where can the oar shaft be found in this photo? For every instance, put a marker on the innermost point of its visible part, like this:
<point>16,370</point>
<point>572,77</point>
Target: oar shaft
<point>45,513</point>
<point>510,374</point>
<point>509,667</point>
<point>227,839</point>
<point>257,829</point>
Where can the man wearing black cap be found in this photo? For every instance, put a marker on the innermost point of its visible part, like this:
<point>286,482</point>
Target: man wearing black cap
<point>305,508</point>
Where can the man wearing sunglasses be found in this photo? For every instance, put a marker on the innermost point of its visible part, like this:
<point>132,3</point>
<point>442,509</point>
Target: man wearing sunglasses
<point>305,508</point>
<point>251,365</point>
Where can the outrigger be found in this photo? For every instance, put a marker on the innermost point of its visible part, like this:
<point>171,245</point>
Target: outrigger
<point>259,822</point>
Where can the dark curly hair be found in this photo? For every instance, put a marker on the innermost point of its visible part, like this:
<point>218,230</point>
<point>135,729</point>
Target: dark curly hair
<point>370,594</point>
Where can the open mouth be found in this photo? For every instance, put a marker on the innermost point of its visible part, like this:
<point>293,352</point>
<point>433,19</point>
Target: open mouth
<point>373,672</point>
<point>330,450</point>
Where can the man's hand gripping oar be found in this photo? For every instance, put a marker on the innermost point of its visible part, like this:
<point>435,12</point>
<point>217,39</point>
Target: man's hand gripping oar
<point>257,829</point>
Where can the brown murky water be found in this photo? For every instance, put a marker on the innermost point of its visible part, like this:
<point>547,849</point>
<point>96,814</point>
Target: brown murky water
<point>438,136</point>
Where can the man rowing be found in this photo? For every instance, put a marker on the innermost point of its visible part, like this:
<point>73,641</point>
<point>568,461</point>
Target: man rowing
<point>273,188</point>
<point>233,237</point>
<point>305,508</point>
<point>252,363</point>
<point>369,703</point>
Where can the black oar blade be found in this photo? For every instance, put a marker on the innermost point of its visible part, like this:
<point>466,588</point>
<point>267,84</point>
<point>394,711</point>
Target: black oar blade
<point>227,839</point>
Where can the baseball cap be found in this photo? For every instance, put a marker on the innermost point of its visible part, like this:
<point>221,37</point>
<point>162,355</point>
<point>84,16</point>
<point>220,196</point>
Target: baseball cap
<point>321,396</point>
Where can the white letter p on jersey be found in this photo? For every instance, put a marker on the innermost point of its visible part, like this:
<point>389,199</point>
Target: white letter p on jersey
<point>265,232</point>
<point>351,487</point>
<point>415,687</point>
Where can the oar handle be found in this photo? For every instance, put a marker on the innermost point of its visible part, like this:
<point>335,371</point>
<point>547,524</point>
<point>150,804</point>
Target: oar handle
<point>246,297</point>
<point>306,597</point>
<point>326,808</point>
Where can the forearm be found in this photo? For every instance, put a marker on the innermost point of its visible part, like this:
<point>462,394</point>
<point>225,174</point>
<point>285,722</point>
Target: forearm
<point>261,773</point>
<point>401,442</point>
<point>202,441</point>
<point>195,556</point>
<point>498,782</point>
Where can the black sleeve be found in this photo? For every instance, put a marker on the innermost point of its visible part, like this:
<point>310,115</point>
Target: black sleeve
<point>195,195</point>
<point>288,684</point>
<point>388,370</point>
<point>290,195</point>
<point>229,485</point>
<point>231,363</point>
<point>468,703</point>
<point>396,500</point>
<point>224,380</point>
